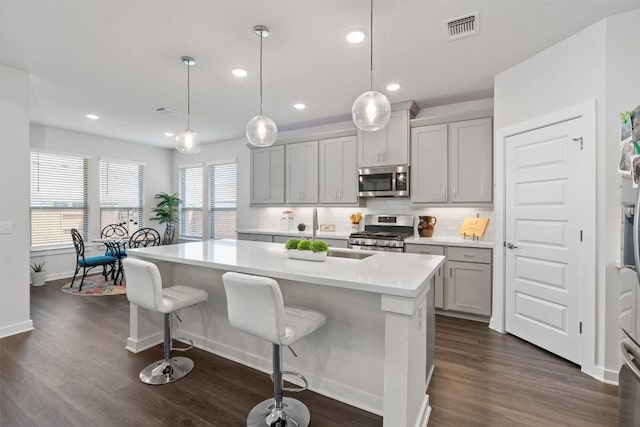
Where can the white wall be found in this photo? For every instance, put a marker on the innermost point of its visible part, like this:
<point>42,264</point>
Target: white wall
<point>14,201</point>
<point>157,178</point>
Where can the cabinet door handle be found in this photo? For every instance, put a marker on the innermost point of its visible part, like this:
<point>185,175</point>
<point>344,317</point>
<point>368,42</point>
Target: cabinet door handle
<point>384,157</point>
<point>444,193</point>
<point>468,256</point>
<point>454,192</point>
<point>439,271</point>
<point>340,195</point>
<point>450,272</point>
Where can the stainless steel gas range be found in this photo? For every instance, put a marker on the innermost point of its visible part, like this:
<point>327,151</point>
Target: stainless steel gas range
<point>383,233</point>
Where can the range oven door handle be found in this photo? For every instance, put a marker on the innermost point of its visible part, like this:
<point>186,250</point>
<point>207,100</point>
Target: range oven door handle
<point>629,353</point>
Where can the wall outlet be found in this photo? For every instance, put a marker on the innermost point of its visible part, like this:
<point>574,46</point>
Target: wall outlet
<point>6,227</point>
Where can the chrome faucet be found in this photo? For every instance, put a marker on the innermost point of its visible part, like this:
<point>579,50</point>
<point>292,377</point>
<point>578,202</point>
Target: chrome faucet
<point>314,227</point>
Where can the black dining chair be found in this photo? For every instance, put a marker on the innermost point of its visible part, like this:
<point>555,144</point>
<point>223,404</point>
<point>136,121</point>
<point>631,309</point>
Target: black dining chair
<point>145,237</point>
<point>88,263</point>
<point>114,231</point>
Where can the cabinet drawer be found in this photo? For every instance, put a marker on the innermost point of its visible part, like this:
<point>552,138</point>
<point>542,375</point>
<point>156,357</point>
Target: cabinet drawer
<point>456,253</point>
<point>424,249</point>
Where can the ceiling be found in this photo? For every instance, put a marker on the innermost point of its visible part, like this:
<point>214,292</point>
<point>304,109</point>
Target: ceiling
<point>121,59</point>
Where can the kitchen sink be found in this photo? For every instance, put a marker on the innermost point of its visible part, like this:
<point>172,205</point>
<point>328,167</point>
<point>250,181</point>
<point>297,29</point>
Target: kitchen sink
<point>349,254</point>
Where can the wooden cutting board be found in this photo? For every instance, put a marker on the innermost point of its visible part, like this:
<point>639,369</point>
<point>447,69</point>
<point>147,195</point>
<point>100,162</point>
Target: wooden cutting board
<point>473,227</point>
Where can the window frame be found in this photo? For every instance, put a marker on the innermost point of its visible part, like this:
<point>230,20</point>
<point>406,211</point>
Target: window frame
<point>65,241</point>
<point>211,208</point>
<point>140,196</point>
<point>182,212</point>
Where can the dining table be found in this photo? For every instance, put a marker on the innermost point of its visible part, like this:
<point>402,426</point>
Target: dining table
<point>117,247</point>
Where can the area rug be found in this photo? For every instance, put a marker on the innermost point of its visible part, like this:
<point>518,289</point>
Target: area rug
<point>95,286</point>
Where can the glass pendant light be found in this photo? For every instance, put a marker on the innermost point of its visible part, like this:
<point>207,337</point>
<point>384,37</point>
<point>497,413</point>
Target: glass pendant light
<point>371,110</point>
<point>261,130</point>
<point>187,141</point>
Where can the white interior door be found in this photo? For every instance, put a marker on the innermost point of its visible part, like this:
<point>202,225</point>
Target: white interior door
<point>543,235</point>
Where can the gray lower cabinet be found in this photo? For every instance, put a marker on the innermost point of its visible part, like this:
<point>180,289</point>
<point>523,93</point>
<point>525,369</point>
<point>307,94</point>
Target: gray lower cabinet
<point>468,280</point>
<point>439,277</point>
<point>255,237</point>
<point>463,282</point>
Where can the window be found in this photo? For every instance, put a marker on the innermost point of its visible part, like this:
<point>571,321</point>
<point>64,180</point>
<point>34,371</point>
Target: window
<point>58,198</point>
<point>223,200</point>
<point>191,192</point>
<point>121,198</point>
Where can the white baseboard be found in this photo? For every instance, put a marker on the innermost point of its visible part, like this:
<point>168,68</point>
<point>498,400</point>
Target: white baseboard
<point>16,328</point>
<point>342,392</point>
<point>466,316</point>
<point>424,414</point>
<point>433,367</point>
<point>606,376</point>
<point>136,346</point>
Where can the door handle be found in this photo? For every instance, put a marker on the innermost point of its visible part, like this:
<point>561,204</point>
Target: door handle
<point>511,246</point>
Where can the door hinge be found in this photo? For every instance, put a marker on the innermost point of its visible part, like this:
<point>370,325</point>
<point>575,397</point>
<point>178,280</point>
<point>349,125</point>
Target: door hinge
<point>580,327</point>
<point>579,139</point>
<point>581,235</point>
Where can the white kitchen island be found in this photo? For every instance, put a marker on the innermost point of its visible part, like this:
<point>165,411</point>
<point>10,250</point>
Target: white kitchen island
<point>375,351</point>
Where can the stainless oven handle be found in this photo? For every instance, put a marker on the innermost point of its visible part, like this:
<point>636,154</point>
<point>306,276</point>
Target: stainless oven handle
<point>626,347</point>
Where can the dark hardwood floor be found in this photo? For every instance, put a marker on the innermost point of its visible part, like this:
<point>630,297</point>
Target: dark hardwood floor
<point>73,370</point>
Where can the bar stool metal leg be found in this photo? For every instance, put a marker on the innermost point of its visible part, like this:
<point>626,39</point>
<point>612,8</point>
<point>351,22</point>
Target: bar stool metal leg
<point>279,411</point>
<point>170,368</point>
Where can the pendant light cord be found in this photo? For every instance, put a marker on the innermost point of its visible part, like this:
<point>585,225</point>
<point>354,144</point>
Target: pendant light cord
<point>371,44</point>
<point>188,96</point>
<point>261,37</point>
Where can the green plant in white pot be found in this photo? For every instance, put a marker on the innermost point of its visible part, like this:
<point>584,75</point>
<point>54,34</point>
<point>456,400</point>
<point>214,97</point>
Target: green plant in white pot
<point>307,250</point>
<point>38,273</point>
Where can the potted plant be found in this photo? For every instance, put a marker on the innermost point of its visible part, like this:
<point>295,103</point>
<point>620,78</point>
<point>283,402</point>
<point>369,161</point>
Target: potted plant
<point>307,250</point>
<point>166,212</point>
<point>38,273</point>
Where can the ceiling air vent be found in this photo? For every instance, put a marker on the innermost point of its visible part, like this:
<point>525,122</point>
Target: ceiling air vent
<point>165,111</point>
<point>463,26</point>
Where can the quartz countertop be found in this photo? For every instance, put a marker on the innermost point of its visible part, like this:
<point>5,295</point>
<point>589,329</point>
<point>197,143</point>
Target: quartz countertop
<point>450,241</point>
<point>388,273</point>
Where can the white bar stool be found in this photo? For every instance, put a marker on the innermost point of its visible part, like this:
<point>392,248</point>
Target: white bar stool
<point>256,307</point>
<point>144,289</point>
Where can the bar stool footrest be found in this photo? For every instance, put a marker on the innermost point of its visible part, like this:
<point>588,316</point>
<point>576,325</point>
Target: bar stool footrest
<point>183,340</point>
<point>297,389</point>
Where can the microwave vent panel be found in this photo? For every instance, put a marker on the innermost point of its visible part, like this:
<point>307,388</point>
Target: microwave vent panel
<point>462,26</point>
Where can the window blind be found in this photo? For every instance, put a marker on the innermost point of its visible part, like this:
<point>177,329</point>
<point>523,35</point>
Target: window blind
<point>58,193</point>
<point>121,194</point>
<point>223,180</point>
<point>191,194</point>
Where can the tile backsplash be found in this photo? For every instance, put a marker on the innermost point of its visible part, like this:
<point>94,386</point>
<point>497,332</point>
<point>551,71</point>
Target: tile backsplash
<point>449,219</point>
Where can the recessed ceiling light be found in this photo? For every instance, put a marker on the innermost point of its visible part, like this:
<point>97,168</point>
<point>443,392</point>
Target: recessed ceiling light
<point>239,72</point>
<point>92,117</point>
<point>168,133</point>
<point>300,106</point>
<point>356,36</point>
<point>393,86</point>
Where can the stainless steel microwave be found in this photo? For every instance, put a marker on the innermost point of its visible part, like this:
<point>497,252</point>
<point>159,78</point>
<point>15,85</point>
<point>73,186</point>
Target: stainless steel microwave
<point>384,181</point>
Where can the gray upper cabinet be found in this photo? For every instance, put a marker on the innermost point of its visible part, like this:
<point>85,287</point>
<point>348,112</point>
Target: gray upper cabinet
<point>338,170</point>
<point>302,172</point>
<point>429,164</point>
<point>470,161</point>
<point>452,163</point>
<point>267,175</point>
<point>387,146</point>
